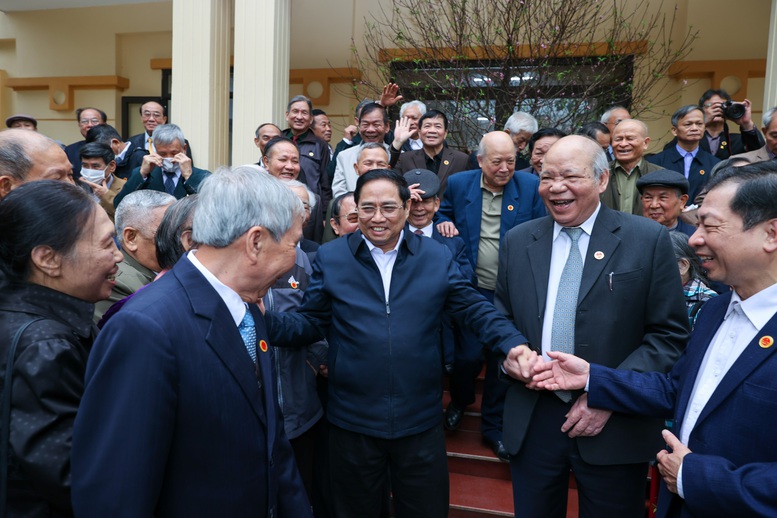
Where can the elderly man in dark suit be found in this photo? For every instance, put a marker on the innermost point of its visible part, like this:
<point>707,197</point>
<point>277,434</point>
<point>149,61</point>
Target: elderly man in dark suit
<point>481,206</point>
<point>604,285</point>
<point>721,458</point>
<point>687,157</point>
<point>180,414</point>
<point>167,169</point>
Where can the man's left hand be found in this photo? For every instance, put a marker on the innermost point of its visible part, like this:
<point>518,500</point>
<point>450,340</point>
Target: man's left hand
<point>583,421</point>
<point>669,463</point>
<point>185,163</point>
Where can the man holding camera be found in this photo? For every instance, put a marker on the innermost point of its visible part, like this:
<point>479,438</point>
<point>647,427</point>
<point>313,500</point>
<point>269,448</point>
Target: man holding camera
<point>718,107</point>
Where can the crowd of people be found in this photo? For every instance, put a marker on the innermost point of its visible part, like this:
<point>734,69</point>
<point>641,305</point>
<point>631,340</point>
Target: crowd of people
<point>272,339</point>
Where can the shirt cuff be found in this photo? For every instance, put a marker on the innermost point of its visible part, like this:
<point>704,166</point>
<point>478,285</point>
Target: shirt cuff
<point>587,382</point>
<point>349,142</point>
<point>680,491</point>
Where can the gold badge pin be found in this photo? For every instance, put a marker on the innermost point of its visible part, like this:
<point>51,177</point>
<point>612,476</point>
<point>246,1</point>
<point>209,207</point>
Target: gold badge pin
<point>765,342</point>
<point>723,144</point>
<point>701,172</point>
<point>263,346</point>
<point>446,162</point>
<point>510,207</point>
<point>310,154</point>
<point>598,255</point>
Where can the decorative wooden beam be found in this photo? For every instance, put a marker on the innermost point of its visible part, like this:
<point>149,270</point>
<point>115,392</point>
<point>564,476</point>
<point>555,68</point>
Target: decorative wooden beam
<point>517,52</point>
<point>717,70</point>
<point>299,76</point>
<point>66,85</point>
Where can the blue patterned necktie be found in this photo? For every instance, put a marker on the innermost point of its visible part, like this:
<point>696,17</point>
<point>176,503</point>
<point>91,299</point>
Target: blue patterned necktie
<point>169,183</point>
<point>562,335</point>
<point>247,330</point>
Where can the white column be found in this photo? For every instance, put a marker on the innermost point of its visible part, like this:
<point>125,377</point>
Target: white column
<point>200,90</point>
<point>261,71</point>
<point>770,84</point>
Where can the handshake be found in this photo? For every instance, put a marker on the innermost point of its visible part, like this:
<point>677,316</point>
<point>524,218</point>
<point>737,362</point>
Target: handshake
<point>565,372</point>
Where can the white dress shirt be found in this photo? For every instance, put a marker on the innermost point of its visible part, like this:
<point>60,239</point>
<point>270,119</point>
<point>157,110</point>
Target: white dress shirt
<point>385,262</point>
<point>558,258</point>
<point>235,305</point>
<point>427,230</point>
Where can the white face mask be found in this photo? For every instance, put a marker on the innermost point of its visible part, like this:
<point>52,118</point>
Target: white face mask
<point>93,175</point>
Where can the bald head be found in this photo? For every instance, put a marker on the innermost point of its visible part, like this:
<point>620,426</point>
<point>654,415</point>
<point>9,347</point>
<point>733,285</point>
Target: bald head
<point>494,138</point>
<point>26,156</point>
<point>496,156</point>
<point>629,142</point>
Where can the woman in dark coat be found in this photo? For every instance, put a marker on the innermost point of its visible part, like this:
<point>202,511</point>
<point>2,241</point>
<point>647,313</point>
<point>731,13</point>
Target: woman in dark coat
<point>57,257</point>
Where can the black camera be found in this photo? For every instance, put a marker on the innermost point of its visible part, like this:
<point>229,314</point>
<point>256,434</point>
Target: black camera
<point>732,110</point>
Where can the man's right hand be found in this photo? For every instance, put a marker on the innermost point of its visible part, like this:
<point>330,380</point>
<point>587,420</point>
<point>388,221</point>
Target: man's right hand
<point>520,362</point>
<point>402,132</point>
<point>566,372</point>
<point>150,161</point>
<point>447,229</point>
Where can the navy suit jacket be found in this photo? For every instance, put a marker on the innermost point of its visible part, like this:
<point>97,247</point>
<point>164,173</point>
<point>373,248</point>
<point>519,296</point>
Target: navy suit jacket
<point>155,182</point>
<point>174,421</point>
<point>701,166</point>
<point>733,464</point>
<point>463,205</point>
<point>631,314</point>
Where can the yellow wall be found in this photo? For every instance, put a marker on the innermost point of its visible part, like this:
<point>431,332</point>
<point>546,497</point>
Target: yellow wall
<point>121,40</point>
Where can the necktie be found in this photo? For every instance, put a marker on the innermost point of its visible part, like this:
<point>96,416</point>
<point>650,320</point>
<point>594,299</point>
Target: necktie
<point>151,145</point>
<point>687,160</point>
<point>562,335</point>
<point>169,183</point>
<point>418,232</point>
<point>247,330</point>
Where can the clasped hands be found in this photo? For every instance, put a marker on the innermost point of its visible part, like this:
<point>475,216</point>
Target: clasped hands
<point>568,372</point>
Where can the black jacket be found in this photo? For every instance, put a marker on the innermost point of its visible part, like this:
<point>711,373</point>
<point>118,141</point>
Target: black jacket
<point>48,382</point>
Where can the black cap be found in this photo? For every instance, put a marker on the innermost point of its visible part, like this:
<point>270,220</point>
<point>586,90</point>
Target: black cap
<point>666,178</point>
<point>429,182</point>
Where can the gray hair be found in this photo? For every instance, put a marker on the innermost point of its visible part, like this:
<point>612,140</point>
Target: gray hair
<point>421,107</point>
<point>135,210</point>
<point>521,121</point>
<point>606,115</point>
<point>234,200</point>
<point>768,117</point>
<point>599,163</point>
<point>312,202</point>
<point>685,110</point>
<point>371,145</point>
<point>299,98</point>
<point>17,148</point>
<point>166,134</point>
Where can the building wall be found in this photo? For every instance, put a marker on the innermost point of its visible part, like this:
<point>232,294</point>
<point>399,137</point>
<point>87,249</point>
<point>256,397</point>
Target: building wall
<point>121,40</point>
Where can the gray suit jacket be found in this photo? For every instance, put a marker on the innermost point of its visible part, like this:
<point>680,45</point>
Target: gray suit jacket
<point>631,315</point>
<point>759,155</point>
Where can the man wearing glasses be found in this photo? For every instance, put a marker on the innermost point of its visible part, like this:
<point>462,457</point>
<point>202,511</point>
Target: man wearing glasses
<point>378,296</point>
<point>87,118</point>
<point>152,114</point>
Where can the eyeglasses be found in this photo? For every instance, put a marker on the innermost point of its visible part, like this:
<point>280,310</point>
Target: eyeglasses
<point>368,211</point>
<point>151,115</point>
<point>88,121</point>
<point>351,217</point>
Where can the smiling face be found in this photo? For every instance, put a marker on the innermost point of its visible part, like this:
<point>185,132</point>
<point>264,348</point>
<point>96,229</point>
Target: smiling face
<point>382,215</point>
<point>629,142</point>
<point>89,270</point>
<point>372,127</point>
<point>283,161</point>
<point>267,133</point>
<point>422,212</point>
<point>567,183</point>
<point>541,147</point>
<point>298,117</point>
<point>498,161</point>
<point>369,159</point>
<point>662,204</point>
<point>433,133</point>
<point>152,115</point>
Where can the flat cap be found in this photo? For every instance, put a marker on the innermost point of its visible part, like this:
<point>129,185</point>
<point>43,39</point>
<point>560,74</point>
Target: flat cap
<point>666,178</point>
<point>430,182</point>
<point>20,117</point>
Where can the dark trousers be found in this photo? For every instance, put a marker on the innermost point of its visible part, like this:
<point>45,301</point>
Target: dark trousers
<point>417,467</point>
<point>305,453</point>
<point>494,391</point>
<point>466,366</point>
<point>540,473</point>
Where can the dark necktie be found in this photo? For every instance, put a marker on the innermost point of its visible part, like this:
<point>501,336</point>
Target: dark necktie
<point>169,183</point>
<point>418,232</point>
<point>562,334</point>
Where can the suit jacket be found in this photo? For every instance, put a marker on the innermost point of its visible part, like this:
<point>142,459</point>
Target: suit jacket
<point>759,155</point>
<point>106,201</point>
<point>182,423</point>
<point>452,162</point>
<point>155,182</point>
<point>139,141</point>
<point>463,205</point>
<point>611,195</point>
<point>641,323</point>
<point>730,143</point>
<point>73,152</point>
<point>701,166</point>
<point>733,464</point>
